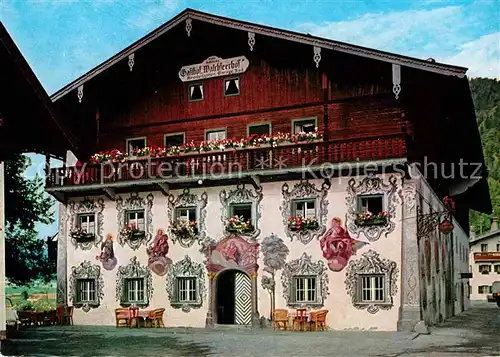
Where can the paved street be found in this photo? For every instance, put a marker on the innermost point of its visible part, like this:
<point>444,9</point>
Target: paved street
<point>473,333</point>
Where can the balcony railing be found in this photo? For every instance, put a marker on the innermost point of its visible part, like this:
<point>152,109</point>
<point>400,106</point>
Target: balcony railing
<point>278,159</point>
<point>487,256</point>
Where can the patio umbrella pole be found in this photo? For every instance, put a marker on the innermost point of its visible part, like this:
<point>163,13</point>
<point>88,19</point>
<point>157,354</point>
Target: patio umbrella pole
<point>3,323</point>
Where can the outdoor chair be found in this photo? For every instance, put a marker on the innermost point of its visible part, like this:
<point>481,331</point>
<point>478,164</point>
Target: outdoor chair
<point>280,319</point>
<point>318,320</point>
<point>69,315</point>
<point>156,317</point>
<point>122,316</point>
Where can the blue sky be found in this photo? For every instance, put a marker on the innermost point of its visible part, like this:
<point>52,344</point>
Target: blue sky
<point>62,39</point>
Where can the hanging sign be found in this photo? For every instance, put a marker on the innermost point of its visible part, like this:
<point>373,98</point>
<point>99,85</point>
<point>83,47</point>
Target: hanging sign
<point>214,67</point>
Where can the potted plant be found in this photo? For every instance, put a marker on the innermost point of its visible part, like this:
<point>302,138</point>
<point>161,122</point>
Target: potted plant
<point>81,235</point>
<point>237,224</point>
<point>367,218</point>
<point>184,229</point>
<point>131,232</point>
<point>298,223</point>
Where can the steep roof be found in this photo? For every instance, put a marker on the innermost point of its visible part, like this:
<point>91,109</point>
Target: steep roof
<point>28,121</point>
<point>427,65</point>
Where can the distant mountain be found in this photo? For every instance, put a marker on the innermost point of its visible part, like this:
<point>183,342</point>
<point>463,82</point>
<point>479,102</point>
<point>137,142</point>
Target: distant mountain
<point>486,96</point>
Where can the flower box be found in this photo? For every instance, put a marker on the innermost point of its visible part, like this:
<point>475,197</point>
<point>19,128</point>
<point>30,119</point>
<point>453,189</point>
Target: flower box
<point>184,229</point>
<point>300,224</point>
<point>136,235</point>
<point>238,230</point>
<point>83,236</point>
<point>372,221</point>
<point>237,225</point>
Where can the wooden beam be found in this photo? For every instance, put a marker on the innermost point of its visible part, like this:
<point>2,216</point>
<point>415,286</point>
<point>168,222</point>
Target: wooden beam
<point>109,192</point>
<point>256,182</point>
<point>164,187</point>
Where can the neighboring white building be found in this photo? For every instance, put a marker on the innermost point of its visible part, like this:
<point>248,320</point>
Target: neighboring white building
<point>484,259</point>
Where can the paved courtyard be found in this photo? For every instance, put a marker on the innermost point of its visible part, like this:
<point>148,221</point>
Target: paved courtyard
<point>473,333</point>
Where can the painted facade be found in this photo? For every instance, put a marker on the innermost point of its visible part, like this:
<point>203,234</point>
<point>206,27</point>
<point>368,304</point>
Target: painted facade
<point>484,257</point>
<point>268,261</point>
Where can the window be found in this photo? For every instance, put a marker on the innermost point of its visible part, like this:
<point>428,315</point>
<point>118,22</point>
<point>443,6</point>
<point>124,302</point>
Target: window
<point>186,289</point>
<point>195,92</point>
<point>497,268</point>
<point>87,222</point>
<point>304,208</point>
<point>134,290</point>
<point>231,87</point>
<point>259,129</point>
<point>174,139</point>
<point>242,210</point>
<point>135,144</point>
<point>484,247</point>
<point>372,288</point>
<point>137,218</point>
<point>485,269</point>
<point>484,289</point>
<point>372,203</point>
<point>218,134</point>
<point>186,213</point>
<point>86,290</point>
<point>304,289</point>
<point>304,125</point>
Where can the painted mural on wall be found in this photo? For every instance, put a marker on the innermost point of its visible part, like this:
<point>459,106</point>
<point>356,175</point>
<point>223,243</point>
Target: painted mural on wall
<point>233,252</point>
<point>274,253</point>
<point>360,219</point>
<point>370,264</point>
<point>337,245</point>
<point>427,251</point>
<point>436,251</point>
<point>134,270</point>
<point>298,225</point>
<point>107,256</point>
<point>158,261</point>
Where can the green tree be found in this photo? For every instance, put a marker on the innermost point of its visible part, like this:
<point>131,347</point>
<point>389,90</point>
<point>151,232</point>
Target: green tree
<point>25,205</point>
<point>486,96</point>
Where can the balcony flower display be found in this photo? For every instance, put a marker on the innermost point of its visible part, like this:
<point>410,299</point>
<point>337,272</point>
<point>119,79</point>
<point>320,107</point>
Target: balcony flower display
<point>367,218</point>
<point>237,224</point>
<point>132,232</point>
<point>253,141</point>
<point>80,234</point>
<point>298,223</point>
<point>184,229</point>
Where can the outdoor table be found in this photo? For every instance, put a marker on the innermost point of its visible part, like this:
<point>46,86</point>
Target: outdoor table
<point>292,315</point>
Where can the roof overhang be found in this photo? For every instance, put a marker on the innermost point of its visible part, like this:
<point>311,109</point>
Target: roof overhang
<point>265,31</point>
<point>27,119</point>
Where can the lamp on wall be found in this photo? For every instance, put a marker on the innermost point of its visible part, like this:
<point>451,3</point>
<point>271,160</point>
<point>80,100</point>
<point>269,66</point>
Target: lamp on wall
<point>426,223</point>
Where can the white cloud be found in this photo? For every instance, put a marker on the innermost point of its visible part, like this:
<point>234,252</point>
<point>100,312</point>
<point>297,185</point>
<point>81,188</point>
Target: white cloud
<point>481,56</point>
<point>443,33</point>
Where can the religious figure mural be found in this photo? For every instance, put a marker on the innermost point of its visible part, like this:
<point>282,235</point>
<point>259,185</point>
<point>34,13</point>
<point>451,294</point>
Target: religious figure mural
<point>230,253</point>
<point>158,261</point>
<point>337,245</point>
<point>107,256</point>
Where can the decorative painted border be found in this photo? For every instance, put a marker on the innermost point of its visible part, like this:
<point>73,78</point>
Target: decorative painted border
<point>242,195</point>
<point>86,271</point>
<point>305,190</point>
<point>187,199</point>
<point>371,185</point>
<point>304,266</point>
<point>186,268</point>
<point>134,270</point>
<point>135,202</point>
<point>371,264</point>
<point>87,206</point>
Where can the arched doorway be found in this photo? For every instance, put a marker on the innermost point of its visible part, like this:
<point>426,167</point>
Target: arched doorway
<point>233,298</point>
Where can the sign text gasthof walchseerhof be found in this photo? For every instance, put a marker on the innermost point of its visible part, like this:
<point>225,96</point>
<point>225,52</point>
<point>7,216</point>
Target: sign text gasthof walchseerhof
<point>214,67</point>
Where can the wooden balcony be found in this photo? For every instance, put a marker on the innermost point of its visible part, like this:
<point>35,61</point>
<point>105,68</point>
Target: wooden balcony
<point>487,256</point>
<point>233,163</point>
